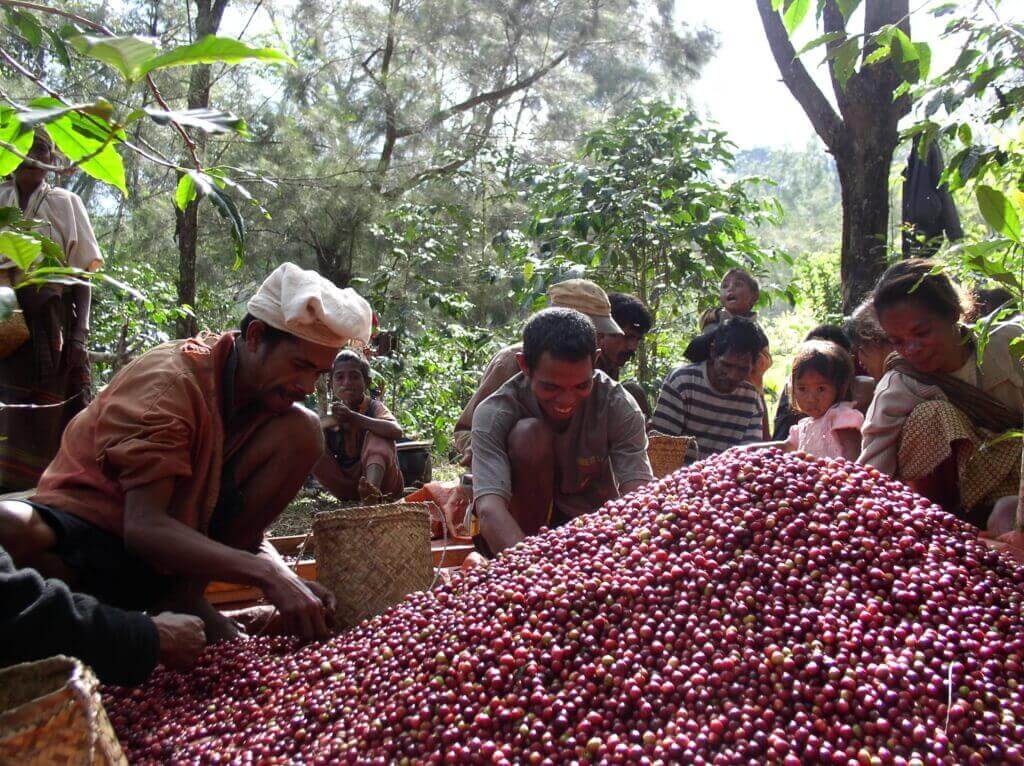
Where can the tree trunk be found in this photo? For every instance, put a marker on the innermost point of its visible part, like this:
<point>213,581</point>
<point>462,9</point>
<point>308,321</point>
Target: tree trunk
<point>207,21</point>
<point>865,196</point>
<point>862,136</point>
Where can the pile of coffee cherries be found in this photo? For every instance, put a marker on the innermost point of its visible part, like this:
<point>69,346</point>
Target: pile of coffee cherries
<point>758,607</point>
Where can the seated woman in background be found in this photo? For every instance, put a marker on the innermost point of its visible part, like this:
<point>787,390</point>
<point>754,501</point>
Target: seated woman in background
<point>937,403</point>
<point>869,344</point>
<point>360,461</point>
<point>821,382</point>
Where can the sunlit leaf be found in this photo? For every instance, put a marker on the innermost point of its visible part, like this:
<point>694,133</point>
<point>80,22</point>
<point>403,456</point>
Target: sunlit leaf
<point>79,136</point>
<point>795,13</point>
<point>822,40</point>
<point>215,50</point>
<point>999,212</point>
<point>12,133</point>
<point>845,61</point>
<point>22,249</point>
<point>130,55</point>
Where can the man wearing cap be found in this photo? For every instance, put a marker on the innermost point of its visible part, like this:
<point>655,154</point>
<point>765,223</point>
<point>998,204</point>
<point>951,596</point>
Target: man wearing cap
<point>557,440</point>
<point>168,479</point>
<point>615,346</point>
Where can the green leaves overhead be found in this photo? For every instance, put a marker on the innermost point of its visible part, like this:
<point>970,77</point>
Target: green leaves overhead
<point>193,185</point>
<point>218,50</point>
<point>793,14</point>
<point>26,25</point>
<point>999,212</point>
<point>129,55</point>
<point>135,57</point>
<point>86,138</point>
<point>844,61</point>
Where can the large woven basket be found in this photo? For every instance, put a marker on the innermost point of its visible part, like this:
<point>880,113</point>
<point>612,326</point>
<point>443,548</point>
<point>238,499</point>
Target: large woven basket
<point>50,713</point>
<point>668,453</point>
<point>371,557</point>
<point>14,333</point>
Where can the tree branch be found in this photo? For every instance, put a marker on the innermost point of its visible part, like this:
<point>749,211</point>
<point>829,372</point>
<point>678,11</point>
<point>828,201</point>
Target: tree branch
<point>491,96</point>
<point>826,123</point>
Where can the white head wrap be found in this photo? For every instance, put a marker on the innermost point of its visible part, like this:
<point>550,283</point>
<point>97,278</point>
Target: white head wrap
<point>306,305</point>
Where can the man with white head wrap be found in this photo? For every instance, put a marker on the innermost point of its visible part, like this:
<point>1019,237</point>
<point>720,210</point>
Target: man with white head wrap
<point>170,477</point>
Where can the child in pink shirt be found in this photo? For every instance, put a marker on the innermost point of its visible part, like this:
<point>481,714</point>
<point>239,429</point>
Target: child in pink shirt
<point>820,385</point>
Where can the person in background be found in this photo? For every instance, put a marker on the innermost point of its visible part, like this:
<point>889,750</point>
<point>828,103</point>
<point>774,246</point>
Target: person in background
<point>578,294</point>
<point>821,382</point>
<point>938,403</point>
<point>862,388</point>
<point>990,299</point>
<point>170,477</point>
<point>40,618</point>
<point>52,367</point>
<point>360,462</point>
<point>714,401</point>
<point>869,344</point>
<point>636,321</point>
<point>738,294</point>
<point>556,441</point>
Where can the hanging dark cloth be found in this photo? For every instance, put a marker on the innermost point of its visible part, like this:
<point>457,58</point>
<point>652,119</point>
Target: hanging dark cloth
<point>928,208</point>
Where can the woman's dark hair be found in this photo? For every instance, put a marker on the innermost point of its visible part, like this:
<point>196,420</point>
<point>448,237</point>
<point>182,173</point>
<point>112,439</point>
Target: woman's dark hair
<point>744,276</point>
<point>738,335</point>
<point>271,335</point>
<point>828,359</point>
<point>348,356</point>
<point>565,334</point>
<point>830,332</point>
<point>921,281</point>
<point>629,311</point>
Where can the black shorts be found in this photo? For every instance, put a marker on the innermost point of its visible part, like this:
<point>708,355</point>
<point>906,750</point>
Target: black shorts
<point>104,568</point>
<point>111,573</point>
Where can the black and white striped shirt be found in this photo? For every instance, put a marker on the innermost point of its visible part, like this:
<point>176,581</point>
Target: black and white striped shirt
<point>689,406</point>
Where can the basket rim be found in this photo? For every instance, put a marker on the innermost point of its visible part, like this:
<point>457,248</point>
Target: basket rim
<point>383,512</point>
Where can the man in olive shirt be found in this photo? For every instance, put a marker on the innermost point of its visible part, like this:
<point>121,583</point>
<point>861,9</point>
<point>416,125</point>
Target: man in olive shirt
<point>557,440</point>
<point>621,322</point>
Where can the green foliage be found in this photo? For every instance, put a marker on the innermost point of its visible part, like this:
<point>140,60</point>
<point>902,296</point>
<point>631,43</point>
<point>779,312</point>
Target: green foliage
<point>818,277</point>
<point>978,104</point>
<point>646,210</point>
<point>428,386</point>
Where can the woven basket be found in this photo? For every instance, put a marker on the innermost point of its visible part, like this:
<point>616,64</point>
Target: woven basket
<point>14,334</point>
<point>668,453</point>
<point>50,713</point>
<point>371,557</point>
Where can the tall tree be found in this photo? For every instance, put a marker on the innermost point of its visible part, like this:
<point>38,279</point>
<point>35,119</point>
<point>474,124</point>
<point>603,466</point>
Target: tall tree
<point>207,22</point>
<point>863,135</point>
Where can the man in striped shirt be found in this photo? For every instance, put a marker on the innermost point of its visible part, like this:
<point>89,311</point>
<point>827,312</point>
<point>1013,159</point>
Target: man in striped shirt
<point>712,401</point>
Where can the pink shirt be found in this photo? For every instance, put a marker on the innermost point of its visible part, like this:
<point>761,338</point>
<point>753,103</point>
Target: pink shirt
<point>818,435</point>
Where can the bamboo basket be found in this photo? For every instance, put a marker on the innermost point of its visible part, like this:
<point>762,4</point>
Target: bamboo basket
<point>668,453</point>
<point>371,557</point>
<point>51,713</point>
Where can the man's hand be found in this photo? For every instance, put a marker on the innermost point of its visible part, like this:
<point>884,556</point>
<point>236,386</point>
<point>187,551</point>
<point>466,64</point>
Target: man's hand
<point>305,606</point>
<point>182,638</point>
<point>341,412</point>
